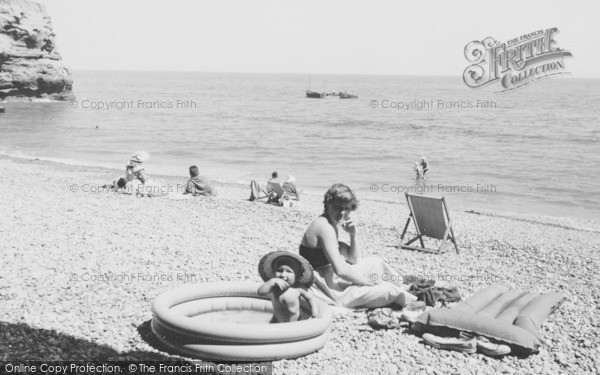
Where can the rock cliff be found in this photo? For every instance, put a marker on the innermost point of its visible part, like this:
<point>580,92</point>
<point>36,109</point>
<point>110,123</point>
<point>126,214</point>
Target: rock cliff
<point>30,65</point>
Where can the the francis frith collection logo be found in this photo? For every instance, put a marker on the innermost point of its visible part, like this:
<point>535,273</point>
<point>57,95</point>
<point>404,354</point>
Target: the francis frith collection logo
<point>515,63</point>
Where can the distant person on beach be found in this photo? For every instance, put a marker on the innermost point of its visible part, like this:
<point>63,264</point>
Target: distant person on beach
<point>137,181</point>
<point>417,170</point>
<point>274,177</point>
<point>134,171</point>
<point>342,277</point>
<point>287,276</point>
<point>290,188</point>
<point>198,185</point>
<point>424,166</point>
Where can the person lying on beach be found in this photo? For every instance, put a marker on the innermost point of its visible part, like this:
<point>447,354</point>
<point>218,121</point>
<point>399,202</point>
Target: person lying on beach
<point>287,277</point>
<point>417,170</point>
<point>290,188</point>
<point>198,185</point>
<point>342,277</point>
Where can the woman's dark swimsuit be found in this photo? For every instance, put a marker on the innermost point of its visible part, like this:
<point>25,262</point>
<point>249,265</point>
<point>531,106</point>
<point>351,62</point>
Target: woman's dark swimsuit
<point>316,257</point>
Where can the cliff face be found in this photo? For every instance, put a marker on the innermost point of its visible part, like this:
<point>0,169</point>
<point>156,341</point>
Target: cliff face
<point>30,65</point>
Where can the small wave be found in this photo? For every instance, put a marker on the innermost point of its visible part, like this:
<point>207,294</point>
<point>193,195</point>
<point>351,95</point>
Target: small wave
<point>418,127</point>
<point>180,153</point>
<point>584,141</point>
<point>583,226</point>
<point>59,160</point>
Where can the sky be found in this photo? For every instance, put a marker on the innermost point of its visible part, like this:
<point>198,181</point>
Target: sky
<point>310,37</point>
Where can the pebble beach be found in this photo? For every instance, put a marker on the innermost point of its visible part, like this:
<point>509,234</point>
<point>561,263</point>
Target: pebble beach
<point>80,268</point>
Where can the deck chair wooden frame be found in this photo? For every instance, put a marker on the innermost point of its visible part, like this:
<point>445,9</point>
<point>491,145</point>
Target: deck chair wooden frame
<point>276,192</point>
<point>432,219</point>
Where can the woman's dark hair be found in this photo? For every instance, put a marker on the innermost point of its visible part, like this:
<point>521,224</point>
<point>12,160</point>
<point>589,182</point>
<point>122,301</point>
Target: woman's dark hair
<point>340,194</point>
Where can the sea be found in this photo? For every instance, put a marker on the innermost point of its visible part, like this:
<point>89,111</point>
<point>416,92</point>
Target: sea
<point>534,150</point>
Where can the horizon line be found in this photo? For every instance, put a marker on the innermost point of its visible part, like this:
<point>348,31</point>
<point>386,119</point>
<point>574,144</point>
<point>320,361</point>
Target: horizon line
<point>571,76</point>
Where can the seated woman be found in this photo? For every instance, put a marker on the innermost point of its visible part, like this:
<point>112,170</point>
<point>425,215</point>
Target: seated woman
<point>137,181</point>
<point>341,276</point>
<point>290,188</point>
<point>134,171</point>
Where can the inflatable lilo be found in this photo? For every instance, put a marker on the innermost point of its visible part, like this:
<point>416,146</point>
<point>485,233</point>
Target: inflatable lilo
<point>229,321</point>
<point>508,316</point>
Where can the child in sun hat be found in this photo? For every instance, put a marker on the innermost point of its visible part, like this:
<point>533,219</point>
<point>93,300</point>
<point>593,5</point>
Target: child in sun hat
<point>287,276</point>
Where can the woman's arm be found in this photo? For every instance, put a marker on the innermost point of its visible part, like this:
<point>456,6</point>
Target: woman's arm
<point>350,253</point>
<point>328,239</point>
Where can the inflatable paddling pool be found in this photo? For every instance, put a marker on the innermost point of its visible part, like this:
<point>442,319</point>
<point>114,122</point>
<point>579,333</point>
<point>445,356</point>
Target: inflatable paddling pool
<point>229,321</point>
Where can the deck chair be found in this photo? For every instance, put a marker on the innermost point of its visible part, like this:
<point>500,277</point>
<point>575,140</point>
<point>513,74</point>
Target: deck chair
<point>432,219</point>
<point>276,192</point>
<point>257,192</point>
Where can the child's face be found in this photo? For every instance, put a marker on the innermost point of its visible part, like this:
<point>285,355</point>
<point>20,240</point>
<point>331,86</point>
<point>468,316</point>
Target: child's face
<point>286,273</point>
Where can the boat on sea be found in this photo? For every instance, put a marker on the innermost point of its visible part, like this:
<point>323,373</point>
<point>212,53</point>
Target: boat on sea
<point>348,95</point>
<point>314,94</point>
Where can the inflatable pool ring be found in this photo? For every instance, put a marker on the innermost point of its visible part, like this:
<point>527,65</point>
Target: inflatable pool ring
<point>229,321</point>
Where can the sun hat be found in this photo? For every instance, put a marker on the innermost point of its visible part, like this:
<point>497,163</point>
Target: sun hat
<point>303,270</point>
<point>140,156</point>
<point>291,179</point>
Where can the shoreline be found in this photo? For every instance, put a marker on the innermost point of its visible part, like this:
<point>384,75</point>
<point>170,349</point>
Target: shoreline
<point>572,223</point>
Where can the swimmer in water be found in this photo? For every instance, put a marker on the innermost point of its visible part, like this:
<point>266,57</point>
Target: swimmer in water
<point>417,170</point>
<point>424,166</point>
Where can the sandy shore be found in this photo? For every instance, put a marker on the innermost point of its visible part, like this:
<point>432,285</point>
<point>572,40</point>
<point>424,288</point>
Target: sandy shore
<point>67,290</point>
